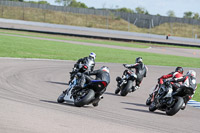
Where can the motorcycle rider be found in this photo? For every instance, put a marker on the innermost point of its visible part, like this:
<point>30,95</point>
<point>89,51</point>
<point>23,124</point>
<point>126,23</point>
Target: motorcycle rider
<point>100,74</point>
<point>141,71</point>
<point>177,74</point>
<point>189,86</point>
<point>90,60</point>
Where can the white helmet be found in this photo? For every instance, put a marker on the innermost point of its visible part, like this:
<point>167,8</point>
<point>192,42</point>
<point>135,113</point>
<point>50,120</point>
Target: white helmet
<point>105,68</point>
<point>192,73</point>
<point>92,55</point>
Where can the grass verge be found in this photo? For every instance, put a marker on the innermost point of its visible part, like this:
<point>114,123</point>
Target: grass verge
<point>34,48</point>
<point>87,40</point>
<point>197,94</point>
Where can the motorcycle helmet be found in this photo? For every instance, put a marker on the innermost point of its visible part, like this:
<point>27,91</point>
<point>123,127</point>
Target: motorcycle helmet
<point>192,73</point>
<point>179,69</point>
<point>138,60</point>
<point>93,55</point>
<point>105,68</point>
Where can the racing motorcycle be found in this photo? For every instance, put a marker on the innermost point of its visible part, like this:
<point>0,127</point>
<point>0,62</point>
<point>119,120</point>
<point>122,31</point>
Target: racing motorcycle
<point>167,100</point>
<point>125,84</point>
<point>84,96</point>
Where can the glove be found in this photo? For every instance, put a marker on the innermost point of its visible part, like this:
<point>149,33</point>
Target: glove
<point>125,65</point>
<point>167,83</point>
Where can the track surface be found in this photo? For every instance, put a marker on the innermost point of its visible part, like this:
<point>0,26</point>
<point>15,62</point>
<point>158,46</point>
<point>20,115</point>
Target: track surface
<point>29,89</point>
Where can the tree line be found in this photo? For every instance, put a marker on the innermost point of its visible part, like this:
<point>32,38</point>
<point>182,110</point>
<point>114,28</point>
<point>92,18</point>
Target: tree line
<point>140,10</point>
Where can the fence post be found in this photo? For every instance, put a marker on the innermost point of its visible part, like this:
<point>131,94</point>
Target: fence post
<point>128,22</point>
<point>2,11</point>
<point>107,20</point>
<point>44,14</point>
<point>171,27</point>
<point>23,11</point>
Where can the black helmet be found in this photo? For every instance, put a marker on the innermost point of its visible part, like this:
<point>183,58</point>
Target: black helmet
<point>179,69</point>
<point>138,60</point>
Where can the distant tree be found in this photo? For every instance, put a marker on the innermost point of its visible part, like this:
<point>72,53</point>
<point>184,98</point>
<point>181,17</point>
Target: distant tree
<point>38,2</point>
<point>17,0</point>
<point>73,3</point>
<point>171,13</point>
<point>158,15</point>
<point>141,10</point>
<point>196,16</point>
<point>125,10</point>
<point>147,13</point>
<point>188,14</point>
<point>63,2</point>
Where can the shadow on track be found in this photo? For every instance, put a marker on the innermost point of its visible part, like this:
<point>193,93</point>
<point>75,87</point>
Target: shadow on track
<point>141,110</point>
<point>137,104</point>
<point>146,111</point>
<point>54,102</point>
<point>65,103</point>
<point>109,93</point>
<point>53,82</point>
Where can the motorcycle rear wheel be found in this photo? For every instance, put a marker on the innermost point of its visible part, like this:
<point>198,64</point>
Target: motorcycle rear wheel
<point>85,99</point>
<point>176,107</point>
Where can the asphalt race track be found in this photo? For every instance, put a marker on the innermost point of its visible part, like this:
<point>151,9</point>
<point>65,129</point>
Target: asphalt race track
<point>29,89</point>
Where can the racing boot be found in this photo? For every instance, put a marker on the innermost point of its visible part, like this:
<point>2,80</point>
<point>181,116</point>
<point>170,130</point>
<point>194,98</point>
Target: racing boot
<point>96,101</point>
<point>134,88</point>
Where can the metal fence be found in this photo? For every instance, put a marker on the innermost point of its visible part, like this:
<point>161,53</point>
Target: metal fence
<point>139,20</point>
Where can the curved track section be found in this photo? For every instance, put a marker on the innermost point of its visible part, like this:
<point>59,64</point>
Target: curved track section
<point>29,89</point>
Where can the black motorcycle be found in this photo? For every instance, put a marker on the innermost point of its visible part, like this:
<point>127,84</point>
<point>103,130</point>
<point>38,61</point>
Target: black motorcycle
<point>82,96</point>
<point>125,84</point>
<point>167,100</point>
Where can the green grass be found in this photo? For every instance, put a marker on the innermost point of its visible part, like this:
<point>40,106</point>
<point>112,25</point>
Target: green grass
<point>34,48</point>
<point>60,37</point>
<point>197,94</point>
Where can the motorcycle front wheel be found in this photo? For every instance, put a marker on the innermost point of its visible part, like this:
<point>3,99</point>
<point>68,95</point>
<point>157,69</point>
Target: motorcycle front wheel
<point>127,88</point>
<point>148,101</point>
<point>61,98</point>
<point>152,107</point>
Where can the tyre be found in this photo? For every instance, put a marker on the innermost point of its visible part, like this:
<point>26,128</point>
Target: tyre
<point>127,88</point>
<point>176,107</point>
<point>61,98</point>
<point>148,101</point>
<point>86,97</point>
<point>152,107</point>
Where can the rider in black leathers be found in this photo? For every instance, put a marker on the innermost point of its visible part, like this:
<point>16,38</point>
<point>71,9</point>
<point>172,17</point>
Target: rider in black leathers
<point>141,71</point>
<point>90,61</point>
<point>101,74</point>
